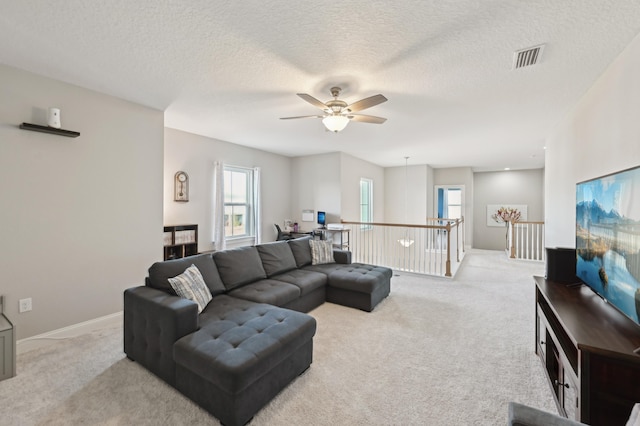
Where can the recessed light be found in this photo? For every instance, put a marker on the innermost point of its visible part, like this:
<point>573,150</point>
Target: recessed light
<point>507,168</point>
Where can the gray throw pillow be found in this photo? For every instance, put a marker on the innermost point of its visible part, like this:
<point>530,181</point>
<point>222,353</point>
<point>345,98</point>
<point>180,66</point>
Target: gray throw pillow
<point>190,285</point>
<point>321,252</point>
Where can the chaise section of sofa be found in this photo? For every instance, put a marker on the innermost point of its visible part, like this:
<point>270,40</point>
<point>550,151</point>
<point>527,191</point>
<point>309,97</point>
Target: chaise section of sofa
<point>359,286</point>
<point>242,356</point>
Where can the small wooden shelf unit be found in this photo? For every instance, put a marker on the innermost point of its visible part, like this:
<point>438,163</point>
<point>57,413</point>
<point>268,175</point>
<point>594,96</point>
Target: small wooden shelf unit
<point>588,350</point>
<point>180,241</point>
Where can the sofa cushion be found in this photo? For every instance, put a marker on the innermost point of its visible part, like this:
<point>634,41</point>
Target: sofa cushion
<point>273,292</point>
<point>326,269</point>
<point>307,281</point>
<point>321,252</point>
<point>160,272</point>
<point>239,266</point>
<point>276,257</point>
<point>301,251</point>
<point>239,341</point>
<point>190,285</point>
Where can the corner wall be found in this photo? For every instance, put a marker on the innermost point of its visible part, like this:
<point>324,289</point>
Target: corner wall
<point>81,217</point>
<point>601,135</point>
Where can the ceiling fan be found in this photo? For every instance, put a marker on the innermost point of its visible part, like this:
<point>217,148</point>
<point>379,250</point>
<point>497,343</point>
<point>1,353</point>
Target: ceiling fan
<point>337,113</point>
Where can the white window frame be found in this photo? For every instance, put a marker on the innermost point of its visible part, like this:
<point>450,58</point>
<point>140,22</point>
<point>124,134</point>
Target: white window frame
<point>248,204</point>
<point>369,189</point>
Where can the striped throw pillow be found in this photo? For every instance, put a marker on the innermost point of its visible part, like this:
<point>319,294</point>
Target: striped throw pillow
<point>321,252</point>
<point>190,285</point>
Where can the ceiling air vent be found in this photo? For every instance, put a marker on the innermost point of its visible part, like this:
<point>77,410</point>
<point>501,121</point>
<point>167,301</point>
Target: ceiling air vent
<point>525,57</point>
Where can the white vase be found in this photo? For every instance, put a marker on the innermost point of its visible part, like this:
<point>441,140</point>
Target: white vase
<point>53,118</point>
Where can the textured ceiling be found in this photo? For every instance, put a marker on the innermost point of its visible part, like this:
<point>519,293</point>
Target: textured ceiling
<point>229,70</point>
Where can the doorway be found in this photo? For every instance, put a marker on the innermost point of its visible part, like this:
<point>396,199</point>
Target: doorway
<point>449,202</point>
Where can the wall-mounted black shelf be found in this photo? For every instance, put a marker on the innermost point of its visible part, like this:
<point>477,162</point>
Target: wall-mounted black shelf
<point>47,129</point>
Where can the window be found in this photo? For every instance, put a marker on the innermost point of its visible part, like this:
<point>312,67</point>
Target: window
<point>238,196</point>
<point>366,200</point>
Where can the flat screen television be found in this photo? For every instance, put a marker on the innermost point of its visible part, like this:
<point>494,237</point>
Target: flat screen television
<point>608,238</point>
<point>322,220</point>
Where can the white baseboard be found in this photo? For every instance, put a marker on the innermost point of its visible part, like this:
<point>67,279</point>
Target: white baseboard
<point>75,330</point>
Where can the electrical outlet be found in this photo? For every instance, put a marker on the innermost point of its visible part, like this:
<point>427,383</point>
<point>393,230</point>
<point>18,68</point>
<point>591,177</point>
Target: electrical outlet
<point>25,305</point>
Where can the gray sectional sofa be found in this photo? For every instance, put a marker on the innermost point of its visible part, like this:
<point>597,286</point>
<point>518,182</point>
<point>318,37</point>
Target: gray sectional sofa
<point>253,338</point>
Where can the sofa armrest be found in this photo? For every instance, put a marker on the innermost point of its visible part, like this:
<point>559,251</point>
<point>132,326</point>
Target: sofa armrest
<point>153,322</point>
<point>522,415</point>
<point>342,256</point>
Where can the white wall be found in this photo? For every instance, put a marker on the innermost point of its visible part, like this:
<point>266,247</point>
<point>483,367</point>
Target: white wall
<point>600,135</point>
<point>462,176</point>
<point>352,170</point>
<point>431,209</point>
<point>196,155</point>
<point>508,187</point>
<point>316,185</point>
<point>406,194</point>
<point>81,217</point>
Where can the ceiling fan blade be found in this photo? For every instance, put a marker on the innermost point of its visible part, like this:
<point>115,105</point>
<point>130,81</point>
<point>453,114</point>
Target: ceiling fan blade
<point>366,118</point>
<point>366,103</point>
<point>302,116</point>
<point>313,101</point>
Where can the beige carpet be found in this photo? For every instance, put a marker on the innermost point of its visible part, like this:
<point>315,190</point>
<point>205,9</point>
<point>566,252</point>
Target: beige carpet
<point>435,352</point>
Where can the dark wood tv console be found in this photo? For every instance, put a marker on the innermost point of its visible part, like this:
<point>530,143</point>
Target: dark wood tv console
<point>587,348</point>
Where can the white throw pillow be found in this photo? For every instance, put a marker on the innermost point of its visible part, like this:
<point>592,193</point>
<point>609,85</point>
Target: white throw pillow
<point>321,252</point>
<point>190,285</point>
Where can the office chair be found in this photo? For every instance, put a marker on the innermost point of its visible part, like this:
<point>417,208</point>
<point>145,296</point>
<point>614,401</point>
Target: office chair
<point>282,236</point>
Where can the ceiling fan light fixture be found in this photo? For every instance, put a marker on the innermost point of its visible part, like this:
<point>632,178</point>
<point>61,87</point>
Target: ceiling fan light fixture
<point>335,123</point>
<point>337,113</point>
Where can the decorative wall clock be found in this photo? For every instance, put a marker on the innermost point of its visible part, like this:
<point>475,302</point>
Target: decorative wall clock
<point>181,191</point>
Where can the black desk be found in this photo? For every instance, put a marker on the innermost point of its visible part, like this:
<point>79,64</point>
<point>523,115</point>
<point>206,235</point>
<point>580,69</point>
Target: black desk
<point>300,234</point>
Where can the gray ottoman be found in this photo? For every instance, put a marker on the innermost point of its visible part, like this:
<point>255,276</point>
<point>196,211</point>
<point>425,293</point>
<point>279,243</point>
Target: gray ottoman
<point>359,286</point>
<point>242,356</point>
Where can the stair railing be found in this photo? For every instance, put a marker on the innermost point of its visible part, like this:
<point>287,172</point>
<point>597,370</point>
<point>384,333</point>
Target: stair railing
<point>436,248</point>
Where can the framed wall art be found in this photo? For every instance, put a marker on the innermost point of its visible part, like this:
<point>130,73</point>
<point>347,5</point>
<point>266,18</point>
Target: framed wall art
<point>497,213</point>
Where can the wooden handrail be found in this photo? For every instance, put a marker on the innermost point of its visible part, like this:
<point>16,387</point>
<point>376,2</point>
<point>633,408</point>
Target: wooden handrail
<point>445,219</point>
<point>405,225</point>
<point>399,225</point>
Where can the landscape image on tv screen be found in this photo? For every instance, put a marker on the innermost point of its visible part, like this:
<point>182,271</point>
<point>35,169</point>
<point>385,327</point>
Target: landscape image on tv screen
<point>608,238</point>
